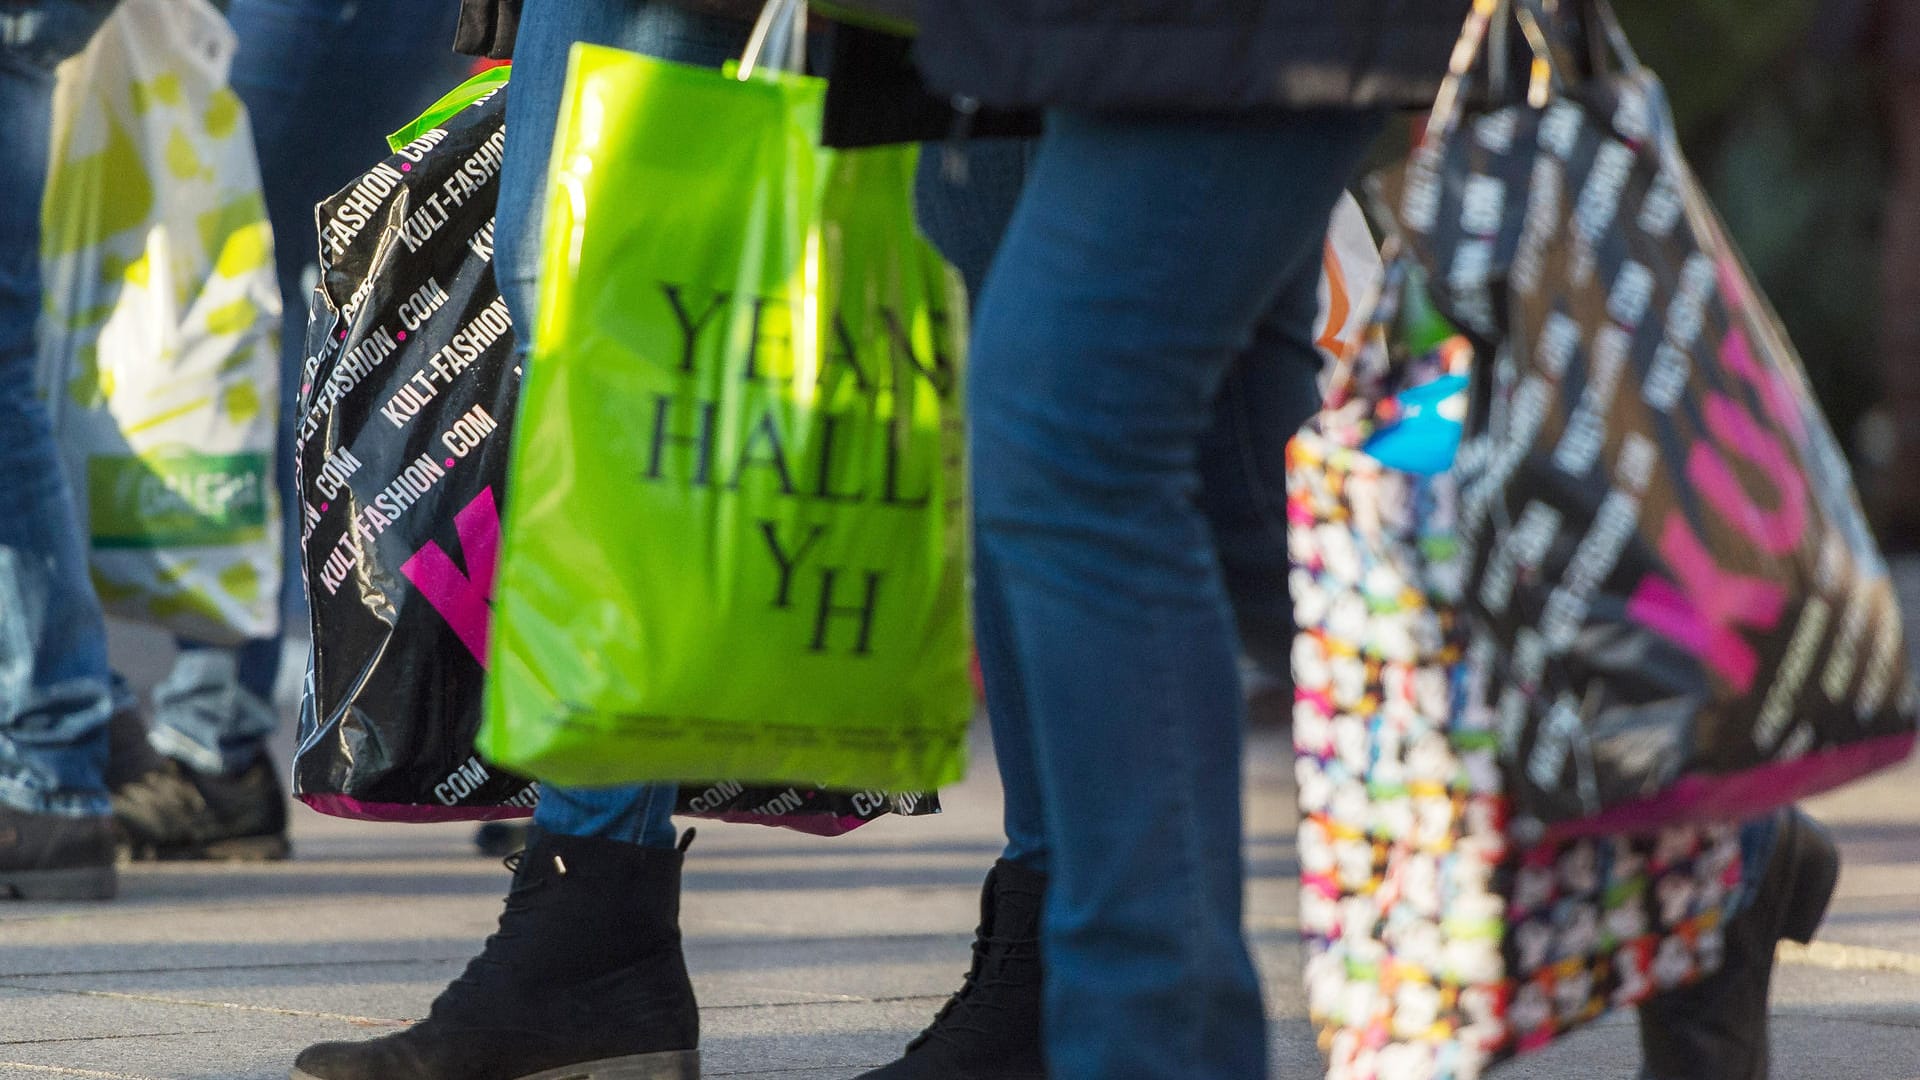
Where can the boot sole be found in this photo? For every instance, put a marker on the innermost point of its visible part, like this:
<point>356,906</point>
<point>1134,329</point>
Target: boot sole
<point>672,1065</point>
<point>275,848</point>
<point>72,883</point>
<point>1817,873</point>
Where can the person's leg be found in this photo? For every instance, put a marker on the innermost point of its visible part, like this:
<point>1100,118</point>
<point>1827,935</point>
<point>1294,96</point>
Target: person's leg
<point>207,717</point>
<point>964,215</point>
<point>1143,259</point>
<point>1269,394</point>
<point>641,814</point>
<point>54,688</point>
<point>587,970</point>
<point>1272,390</point>
<point>992,1026</point>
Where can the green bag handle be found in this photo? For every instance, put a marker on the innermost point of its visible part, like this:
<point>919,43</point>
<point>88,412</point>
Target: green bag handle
<point>455,100</point>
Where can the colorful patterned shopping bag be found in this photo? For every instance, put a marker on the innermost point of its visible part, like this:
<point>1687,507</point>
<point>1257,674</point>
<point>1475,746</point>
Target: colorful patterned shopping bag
<point>1438,942</point>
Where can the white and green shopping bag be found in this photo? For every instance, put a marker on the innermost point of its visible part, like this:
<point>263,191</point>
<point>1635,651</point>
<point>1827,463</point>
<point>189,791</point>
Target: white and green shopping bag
<point>159,343</point>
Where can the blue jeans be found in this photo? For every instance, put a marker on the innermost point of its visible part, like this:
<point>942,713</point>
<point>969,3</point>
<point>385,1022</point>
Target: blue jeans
<point>54,689</point>
<point>638,814</point>
<point>1239,462</point>
<point>1264,399</point>
<point>324,82</point>
<point>1149,264</point>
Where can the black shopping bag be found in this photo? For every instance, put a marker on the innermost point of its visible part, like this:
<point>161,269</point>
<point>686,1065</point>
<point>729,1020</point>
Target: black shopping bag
<point>406,409</point>
<point>1676,611</point>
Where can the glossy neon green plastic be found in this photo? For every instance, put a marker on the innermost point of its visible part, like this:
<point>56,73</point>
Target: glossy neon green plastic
<point>735,537</point>
<point>454,100</point>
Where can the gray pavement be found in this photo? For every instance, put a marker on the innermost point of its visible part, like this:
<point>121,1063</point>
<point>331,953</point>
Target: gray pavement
<point>814,958</point>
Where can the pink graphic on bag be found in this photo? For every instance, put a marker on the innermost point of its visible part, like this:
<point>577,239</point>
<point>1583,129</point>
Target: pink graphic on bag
<point>465,600</point>
<point>1703,610</point>
<point>1736,355</point>
<point>1777,531</point>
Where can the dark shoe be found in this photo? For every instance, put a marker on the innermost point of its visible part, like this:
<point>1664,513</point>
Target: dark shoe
<point>54,857</point>
<point>129,753</point>
<point>990,1030</point>
<point>174,812</point>
<point>1717,1028</point>
<point>583,981</point>
<point>501,838</point>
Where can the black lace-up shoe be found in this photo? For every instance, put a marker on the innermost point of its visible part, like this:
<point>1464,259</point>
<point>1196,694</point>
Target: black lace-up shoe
<point>583,981</point>
<point>990,1029</point>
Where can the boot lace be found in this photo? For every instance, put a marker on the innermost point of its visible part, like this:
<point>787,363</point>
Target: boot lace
<point>476,978</point>
<point>962,1014</point>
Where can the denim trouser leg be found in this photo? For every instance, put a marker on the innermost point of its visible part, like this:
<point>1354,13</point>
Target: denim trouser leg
<point>965,217</point>
<point>1263,401</point>
<point>206,716</point>
<point>1269,394</point>
<point>1137,272</point>
<point>965,214</point>
<point>54,688</point>
<point>639,814</point>
<point>324,81</point>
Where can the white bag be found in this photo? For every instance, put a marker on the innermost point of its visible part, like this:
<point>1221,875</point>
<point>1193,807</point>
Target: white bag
<point>1350,274</point>
<point>159,344</point>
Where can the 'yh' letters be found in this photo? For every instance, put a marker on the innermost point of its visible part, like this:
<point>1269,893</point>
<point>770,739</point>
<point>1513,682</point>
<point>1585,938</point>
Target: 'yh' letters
<point>842,434</point>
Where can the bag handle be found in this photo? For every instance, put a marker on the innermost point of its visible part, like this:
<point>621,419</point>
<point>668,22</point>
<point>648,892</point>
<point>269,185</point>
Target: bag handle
<point>1485,28</point>
<point>1487,23</point>
<point>1485,31</point>
<point>781,30</point>
<point>1615,37</point>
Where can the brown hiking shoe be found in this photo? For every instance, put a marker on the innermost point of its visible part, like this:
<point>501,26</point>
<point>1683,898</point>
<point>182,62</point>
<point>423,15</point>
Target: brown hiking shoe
<point>173,812</point>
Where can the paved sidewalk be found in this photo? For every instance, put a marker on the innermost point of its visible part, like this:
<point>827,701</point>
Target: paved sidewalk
<point>814,958</point>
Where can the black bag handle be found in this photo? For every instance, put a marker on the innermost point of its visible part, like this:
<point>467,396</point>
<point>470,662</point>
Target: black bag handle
<point>1543,23</point>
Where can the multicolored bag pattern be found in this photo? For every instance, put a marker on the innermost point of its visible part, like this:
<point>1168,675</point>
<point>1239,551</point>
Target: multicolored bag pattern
<point>1437,945</point>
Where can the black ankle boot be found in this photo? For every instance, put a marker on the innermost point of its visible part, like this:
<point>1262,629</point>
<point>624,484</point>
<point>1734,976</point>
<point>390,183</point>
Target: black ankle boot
<point>990,1030</point>
<point>583,981</point>
<point>1717,1029</point>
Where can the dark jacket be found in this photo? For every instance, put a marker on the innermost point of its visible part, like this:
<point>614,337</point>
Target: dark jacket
<point>874,95</point>
<point>1189,55</point>
<point>487,28</point>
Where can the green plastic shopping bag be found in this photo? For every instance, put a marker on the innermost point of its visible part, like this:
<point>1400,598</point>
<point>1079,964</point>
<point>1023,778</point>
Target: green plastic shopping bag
<point>735,545</point>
